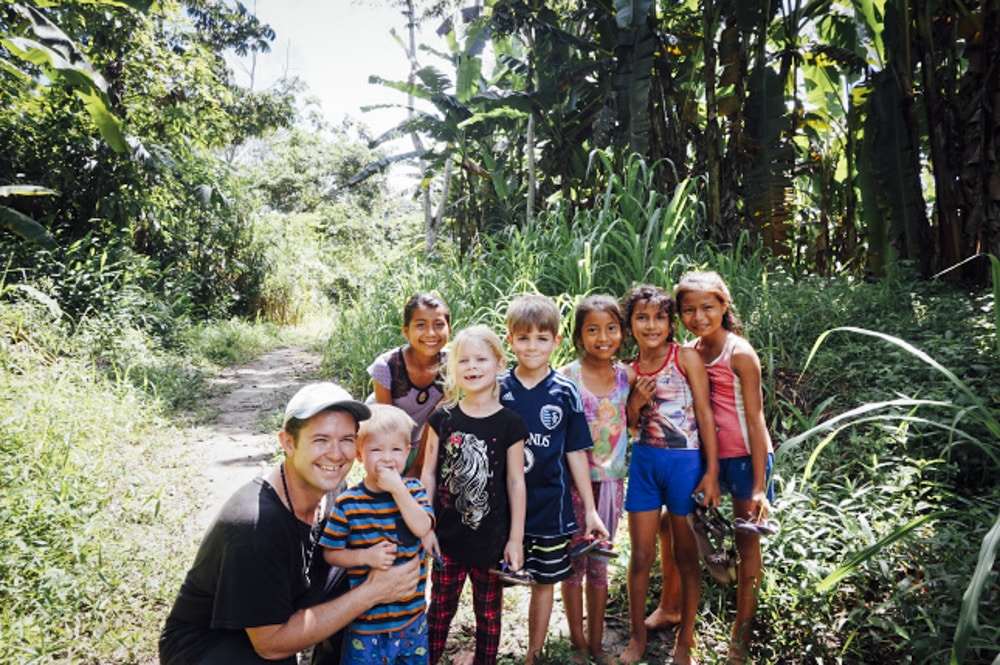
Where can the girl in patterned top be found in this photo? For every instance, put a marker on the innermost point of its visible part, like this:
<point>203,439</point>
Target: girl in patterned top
<point>674,455</point>
<point>411,376</point>
<point>604,384</point>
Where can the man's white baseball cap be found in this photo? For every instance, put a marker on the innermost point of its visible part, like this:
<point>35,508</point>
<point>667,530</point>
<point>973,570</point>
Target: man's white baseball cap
<point>316,397</point>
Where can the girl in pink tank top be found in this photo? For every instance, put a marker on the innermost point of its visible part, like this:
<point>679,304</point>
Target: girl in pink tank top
<point>745,451</point>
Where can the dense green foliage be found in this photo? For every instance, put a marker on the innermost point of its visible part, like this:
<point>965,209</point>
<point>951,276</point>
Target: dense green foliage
<point>838,133</point>
<point>151,210</point>
<point>935,461</point>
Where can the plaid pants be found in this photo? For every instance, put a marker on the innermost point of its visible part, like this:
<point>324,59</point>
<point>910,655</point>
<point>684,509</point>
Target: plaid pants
<point>487,599</point>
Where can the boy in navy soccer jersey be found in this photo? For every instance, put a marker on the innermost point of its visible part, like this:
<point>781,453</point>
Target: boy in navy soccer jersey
<point>555,454</point>
<point>374,525</point>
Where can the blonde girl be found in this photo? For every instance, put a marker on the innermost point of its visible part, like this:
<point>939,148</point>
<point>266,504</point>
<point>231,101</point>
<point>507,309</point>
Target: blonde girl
<point>673,457</point>
<point>745,450</point>
<point>474,471</point>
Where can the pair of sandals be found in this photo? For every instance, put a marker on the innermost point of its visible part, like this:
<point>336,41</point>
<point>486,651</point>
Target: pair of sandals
<point>711,531</point>
<point>510,577</point>
<point>592,547</point>
<point>506,574</point>
<point>595,548</point>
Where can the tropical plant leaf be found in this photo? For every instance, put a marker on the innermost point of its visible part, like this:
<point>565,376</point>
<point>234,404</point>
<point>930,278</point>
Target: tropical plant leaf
<point>895,167</point>
<point>767,182</point>
<point>371,169</point>
<point>634,54</point>
<point>61,60</point>
<point>44,299</point>
<point>25,227</point>
<point>967,620</point>
<point>26,190</point>
<point>851,564</point>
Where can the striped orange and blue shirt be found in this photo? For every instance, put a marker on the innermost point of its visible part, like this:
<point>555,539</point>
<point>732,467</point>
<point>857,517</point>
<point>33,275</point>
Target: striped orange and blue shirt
<point>361,518</point>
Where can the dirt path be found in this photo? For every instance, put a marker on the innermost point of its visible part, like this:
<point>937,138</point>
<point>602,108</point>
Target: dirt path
<point>240,442</point>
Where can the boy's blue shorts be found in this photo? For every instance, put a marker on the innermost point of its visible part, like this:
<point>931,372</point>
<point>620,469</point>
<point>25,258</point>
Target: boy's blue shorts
<point>662,477</point>
<point>736,477</point>
<point>406,646</point>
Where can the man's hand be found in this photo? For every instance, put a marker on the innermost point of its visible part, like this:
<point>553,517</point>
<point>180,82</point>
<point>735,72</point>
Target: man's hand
<point>394,583</point>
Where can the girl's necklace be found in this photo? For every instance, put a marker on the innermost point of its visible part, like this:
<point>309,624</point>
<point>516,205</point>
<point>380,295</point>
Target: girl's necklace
<point>307,554</point>
<point>422,393</point>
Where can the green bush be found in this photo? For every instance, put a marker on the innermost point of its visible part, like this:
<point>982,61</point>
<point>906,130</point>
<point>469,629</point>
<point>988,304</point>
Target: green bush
<point>77,499</point>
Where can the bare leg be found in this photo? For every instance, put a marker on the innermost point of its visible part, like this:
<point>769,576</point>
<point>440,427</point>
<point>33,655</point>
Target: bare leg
<point>686,555</point>
<point>572,599</point>
<point>597,603</point>
<point>747,585</point>
<point>642,529</point>
<point>539,613</point>
<point>668,612</point>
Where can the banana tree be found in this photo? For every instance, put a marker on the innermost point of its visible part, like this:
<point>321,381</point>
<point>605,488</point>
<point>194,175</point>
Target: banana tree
<point>454,118</point>
<point>634,58</point>
<point>558,58</point>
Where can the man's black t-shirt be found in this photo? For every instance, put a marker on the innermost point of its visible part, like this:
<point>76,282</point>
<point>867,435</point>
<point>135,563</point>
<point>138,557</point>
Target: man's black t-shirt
<point>251,570</point>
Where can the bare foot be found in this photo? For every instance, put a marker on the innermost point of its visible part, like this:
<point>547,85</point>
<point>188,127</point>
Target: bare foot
<point>661,619</point>
<point>737,656</point>
<point>682,655</point>
<point>463,658</point>
<point>633,652</point>
<point>602,657</point>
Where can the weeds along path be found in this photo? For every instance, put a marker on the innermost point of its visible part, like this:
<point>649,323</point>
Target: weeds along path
<point>240,441</point>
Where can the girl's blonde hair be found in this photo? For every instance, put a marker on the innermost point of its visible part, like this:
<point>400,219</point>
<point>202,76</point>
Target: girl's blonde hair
<point>710,281</point>
<point>477,333</point>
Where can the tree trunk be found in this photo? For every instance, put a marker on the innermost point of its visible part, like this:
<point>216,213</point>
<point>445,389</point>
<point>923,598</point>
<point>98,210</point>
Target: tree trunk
<point>713,163</point>
<point>979,105</point>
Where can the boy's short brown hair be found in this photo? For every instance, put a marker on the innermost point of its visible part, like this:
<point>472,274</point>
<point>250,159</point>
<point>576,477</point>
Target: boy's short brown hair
<point>385,419</point>
<point>533,311</point>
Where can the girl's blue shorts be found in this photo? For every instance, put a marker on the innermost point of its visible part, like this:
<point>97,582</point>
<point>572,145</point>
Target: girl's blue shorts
<point>736,477</point>
<point>660,477</point>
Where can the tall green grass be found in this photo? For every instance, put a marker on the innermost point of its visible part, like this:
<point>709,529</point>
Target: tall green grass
<point>885,528</point>
<point>94,523</point>
<point>635,233</point>
<point>76,582</point>
<point>967,420</point>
